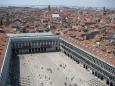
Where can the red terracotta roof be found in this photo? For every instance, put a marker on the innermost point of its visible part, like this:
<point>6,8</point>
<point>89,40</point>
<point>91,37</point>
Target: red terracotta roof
<point>89,47</point>
<point>3,45</point>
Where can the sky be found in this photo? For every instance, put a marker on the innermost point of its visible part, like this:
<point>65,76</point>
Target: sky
<point>85,3</point>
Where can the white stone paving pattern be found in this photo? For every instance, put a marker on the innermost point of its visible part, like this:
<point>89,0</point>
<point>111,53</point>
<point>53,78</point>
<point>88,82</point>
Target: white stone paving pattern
<point>54,69</point>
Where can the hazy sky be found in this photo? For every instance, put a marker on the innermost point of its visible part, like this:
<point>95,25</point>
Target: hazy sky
<point>94,3</point>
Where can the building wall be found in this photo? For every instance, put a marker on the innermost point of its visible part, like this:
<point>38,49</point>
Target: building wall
<point>35,45</point>
<point>101,69</point>
<point>5,69</point>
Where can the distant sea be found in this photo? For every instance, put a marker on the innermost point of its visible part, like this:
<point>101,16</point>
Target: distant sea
<point>45,6</point>
<point>32,6</point>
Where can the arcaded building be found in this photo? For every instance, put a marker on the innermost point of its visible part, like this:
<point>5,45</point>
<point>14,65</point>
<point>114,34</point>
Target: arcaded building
<point>24,43</point>
<point>92,63</point>
<point>34,42</point>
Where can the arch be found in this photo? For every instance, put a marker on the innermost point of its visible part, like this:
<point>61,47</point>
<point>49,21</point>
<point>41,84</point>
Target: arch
<point>111,84</point>
<point>107,82</point>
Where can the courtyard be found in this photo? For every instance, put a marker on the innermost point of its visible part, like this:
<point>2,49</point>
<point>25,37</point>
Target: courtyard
<point>53,69</point>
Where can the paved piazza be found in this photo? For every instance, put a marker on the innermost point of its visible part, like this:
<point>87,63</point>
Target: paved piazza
<point>54,69</point>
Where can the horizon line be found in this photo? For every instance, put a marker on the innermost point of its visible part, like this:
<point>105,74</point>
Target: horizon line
<point>16,5</point>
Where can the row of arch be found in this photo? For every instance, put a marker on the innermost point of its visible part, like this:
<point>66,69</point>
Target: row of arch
<point>34,50</point>
<point>23,47</point>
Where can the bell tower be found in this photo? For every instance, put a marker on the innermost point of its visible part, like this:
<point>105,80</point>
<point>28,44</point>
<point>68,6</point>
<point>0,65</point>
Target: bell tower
<point>49,9</point>
<point>104,11</point>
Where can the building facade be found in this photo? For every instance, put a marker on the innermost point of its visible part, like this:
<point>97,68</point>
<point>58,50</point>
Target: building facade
<point>35,44</point>
<point>97,67</point>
